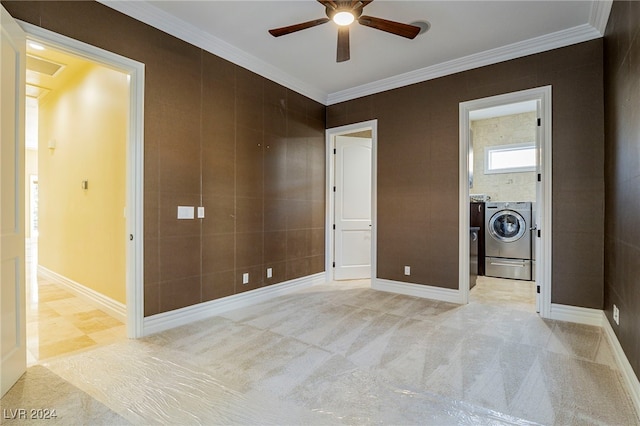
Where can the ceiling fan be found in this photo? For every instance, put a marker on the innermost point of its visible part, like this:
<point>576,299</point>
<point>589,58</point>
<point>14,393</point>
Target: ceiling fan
<point>344,13</point>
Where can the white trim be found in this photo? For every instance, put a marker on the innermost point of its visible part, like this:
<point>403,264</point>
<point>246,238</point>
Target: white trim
<point>599,14</point>
<point>166,320</point>
<point>135,161</point>
<point>629,376</point>
<point>106,304</point>
<point>162,20</point>
<point>576,314</point>
<point>543,254</point>
<point>330,173</point>
<point>151,15</point>
<point>540,44</point>
<point>417,290</point>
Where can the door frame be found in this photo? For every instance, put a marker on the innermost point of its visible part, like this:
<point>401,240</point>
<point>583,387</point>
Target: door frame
<point>134,210</point>
<point>330,136</point>
<point>544,188</point>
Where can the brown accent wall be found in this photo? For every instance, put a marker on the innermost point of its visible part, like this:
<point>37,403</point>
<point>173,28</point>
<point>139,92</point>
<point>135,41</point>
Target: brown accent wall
<point>418,168</point>
<point>249,150</point>
<point>622,183</point>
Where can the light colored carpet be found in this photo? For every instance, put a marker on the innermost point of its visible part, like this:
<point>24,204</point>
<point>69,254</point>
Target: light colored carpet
<point>342,353</point>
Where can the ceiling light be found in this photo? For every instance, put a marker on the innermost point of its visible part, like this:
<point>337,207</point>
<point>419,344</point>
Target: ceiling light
<point>35,46</point>
<point>343,18</point>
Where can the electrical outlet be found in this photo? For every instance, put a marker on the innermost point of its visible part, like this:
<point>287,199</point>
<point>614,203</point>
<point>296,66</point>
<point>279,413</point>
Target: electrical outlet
<point>616,314</point>
<point>407,270</point>
<point>269,272</point>
<point>245,278</point>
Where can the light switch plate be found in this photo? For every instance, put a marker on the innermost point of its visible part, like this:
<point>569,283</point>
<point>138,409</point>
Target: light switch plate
<point>269,273</point>
<point>185,212</point>
<point>200,212</point>
<point>245,278</point>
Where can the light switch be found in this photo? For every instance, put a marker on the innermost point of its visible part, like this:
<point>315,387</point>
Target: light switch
<point>200,212</point>
<point>269,273</point>
<point>185,212</point>
<point>245,278</point>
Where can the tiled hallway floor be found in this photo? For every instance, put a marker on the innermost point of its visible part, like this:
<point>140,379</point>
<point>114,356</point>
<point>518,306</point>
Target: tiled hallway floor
<point>59,322</point>
<point>341,353</point>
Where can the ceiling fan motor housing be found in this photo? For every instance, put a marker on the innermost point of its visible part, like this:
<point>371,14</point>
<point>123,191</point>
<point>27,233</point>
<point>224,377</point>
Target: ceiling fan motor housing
<point>331,12</point>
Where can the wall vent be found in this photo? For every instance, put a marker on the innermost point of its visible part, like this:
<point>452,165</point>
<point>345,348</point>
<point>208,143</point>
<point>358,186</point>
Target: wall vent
<point>42,66</point>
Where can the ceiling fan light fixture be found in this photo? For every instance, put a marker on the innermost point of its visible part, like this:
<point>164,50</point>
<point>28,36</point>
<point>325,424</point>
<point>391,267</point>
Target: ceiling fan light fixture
<point>343,18</point>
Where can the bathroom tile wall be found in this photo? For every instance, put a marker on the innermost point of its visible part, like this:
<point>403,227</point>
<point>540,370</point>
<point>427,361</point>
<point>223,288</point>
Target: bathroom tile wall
<point>418,168</point>
<point>216,135</point>
<point>506,130</point>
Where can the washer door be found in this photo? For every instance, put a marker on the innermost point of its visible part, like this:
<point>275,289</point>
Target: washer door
<point>507,226</point>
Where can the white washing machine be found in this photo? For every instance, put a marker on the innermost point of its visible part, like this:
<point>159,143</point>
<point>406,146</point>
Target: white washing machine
<point>508,240</point>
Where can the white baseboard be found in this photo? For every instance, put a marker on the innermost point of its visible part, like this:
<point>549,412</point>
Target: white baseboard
<point>189,314</point>
<point>629,376</point>
<point>417,290</point>
<point>575,314</point>
<point>100,301</point>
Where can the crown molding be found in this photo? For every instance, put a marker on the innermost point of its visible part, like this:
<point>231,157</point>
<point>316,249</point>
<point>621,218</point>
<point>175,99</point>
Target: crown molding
<point>157,18</point>
<point>149,14</point>
<point>579,34</point>
<point>599,15</point>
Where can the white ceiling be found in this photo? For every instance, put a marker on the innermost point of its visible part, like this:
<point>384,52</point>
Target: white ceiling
<point>463,35</point>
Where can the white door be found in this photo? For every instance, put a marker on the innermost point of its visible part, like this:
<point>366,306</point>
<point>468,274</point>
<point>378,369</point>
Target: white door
<point>13,345</point>
<point>352,208</point>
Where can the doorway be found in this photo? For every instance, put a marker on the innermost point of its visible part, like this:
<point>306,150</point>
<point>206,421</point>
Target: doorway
<point>351,165</point>
<point>75,139</point>
<point>133,162</point>
<point>538,203</point>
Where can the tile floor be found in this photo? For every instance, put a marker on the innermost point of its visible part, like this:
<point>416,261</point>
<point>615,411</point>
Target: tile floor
<point>341,353</point>
<point>59,322</point>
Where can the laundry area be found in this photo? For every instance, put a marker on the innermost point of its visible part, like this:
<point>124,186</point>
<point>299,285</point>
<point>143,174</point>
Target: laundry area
<point>502,188</point>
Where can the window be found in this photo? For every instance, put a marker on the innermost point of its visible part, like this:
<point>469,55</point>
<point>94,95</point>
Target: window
<point>510,158</point>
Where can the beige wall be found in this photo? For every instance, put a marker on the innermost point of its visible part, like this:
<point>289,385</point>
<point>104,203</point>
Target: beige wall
<point>510,129</point>
<point>31,168</point>
<point>82,232</point>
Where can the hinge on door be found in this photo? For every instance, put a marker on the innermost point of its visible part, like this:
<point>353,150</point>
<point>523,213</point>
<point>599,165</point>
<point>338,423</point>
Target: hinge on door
<point>539,233</point>
<point>334,264</point>
<point>539,177</point>
<point>538,289</point>
<point>334,151</point>
<point>334,226</point>
<point>334,189</point>
<point>539,122</point>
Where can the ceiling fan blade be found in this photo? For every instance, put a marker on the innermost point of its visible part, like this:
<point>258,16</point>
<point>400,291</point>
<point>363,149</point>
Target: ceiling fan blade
<point>329,3</point>
<point>277,32</point>
<point>343,44</point>
<point>397,28</point>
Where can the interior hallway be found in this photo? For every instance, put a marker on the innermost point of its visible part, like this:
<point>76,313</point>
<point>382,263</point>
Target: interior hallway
<point>341,353</point>
<point>59,322</point>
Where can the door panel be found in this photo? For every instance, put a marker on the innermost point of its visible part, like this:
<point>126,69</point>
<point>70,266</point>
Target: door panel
<point>353,208</point>
<point>13,355</point>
